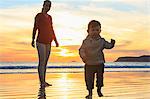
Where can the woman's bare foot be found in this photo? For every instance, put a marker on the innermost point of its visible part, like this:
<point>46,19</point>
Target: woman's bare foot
<point>45,84</point>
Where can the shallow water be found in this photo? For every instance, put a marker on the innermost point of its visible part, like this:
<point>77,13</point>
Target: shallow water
<point>117,85</point>
<point>73,67</point>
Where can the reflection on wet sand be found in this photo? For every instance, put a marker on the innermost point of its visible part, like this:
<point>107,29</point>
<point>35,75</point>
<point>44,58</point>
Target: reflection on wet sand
<point>117,85</point>
<point>41,93</point>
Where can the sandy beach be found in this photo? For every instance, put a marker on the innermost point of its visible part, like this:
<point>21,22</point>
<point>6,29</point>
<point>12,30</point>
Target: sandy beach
<point>118,85</point>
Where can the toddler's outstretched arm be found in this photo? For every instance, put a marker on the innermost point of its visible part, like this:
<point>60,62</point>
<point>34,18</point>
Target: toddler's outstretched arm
<point>110,45</point>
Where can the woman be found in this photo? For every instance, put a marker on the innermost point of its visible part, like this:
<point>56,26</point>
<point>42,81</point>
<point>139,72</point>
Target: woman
<point>43,23</point>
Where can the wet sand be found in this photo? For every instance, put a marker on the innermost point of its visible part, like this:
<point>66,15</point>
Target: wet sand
<point>117,85</point>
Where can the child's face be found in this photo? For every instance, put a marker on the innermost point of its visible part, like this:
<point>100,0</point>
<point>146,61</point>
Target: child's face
<point>94,30</point>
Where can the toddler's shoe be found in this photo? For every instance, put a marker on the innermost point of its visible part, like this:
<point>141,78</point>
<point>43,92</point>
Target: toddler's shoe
<point>99,93</point>
<point>88,97</point>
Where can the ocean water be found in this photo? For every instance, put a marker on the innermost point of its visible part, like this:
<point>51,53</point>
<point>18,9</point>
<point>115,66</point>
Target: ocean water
<point>72,67</point>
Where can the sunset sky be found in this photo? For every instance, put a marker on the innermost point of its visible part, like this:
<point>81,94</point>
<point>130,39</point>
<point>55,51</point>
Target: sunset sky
<point>126,21</point>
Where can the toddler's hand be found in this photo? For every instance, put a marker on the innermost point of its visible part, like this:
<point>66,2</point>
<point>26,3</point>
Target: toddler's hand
<point>112,41</point>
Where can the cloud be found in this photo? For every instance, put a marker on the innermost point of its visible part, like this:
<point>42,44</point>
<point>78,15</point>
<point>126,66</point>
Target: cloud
<point>123,44</point>
<point>14,3</point>
<point>123,20</point>
<point>21,43</point>
<point>132,51</point>
<point>71,51</point>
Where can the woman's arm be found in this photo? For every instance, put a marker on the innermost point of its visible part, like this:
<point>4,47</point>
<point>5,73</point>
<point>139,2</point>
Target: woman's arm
<point>53,34</point>
<point>55,39</point>
<point>34,31</point>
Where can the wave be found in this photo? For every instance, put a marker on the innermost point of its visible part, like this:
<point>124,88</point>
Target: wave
<point>61,67</point>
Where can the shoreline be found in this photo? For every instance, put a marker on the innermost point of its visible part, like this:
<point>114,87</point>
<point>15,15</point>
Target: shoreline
<point>122,85</point>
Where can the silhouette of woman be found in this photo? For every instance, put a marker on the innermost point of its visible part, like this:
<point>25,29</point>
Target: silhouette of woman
<point>43,23</point>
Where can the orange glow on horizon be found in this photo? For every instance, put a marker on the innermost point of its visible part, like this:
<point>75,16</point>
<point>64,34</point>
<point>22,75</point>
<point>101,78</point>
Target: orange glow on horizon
<point>130,30</point>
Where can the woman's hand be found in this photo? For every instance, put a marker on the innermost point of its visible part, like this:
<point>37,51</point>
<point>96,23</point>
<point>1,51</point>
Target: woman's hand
<point>33,44</point>
<point>57,44</point>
